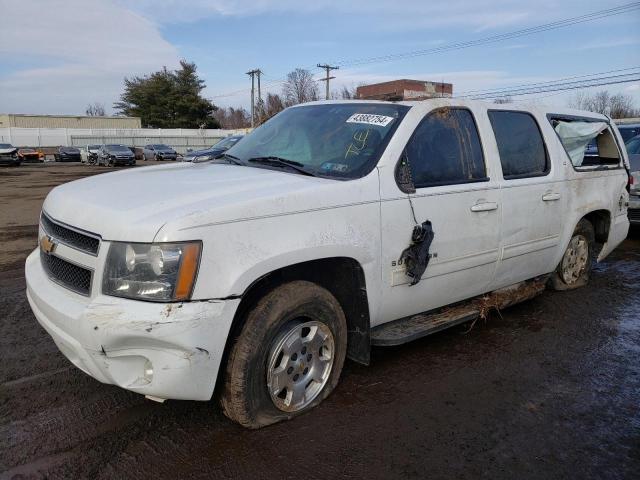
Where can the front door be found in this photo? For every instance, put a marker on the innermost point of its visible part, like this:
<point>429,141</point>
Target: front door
<point>454,192</point>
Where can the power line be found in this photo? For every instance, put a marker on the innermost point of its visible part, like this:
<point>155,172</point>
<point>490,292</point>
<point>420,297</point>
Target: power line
<point>470,93</point>
<point>589,17</point>
<point>564,86</point>
<point>497,38</point>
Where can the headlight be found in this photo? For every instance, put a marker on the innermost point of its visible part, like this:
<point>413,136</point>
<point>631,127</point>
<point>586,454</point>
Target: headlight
<point>160,272</point>
<point>203,158</point>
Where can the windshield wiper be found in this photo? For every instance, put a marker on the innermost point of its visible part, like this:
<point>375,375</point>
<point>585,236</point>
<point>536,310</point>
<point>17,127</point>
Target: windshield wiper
<point>230,158</point>
<point>282,162</point>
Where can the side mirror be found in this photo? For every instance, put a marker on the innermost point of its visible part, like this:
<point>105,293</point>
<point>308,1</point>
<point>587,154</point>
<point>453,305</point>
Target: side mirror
<point>403,175</point>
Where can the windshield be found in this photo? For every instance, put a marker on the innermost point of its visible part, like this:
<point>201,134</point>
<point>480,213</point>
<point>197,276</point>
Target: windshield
<point>343,140</point>
<point>118,148</point>
<point>227,142</point>
<point>627,132</point>
<point>94,147</point>
<point>633,146</point>
<point>161,147</point>
<point>69,149</point>
<point>6,145</point>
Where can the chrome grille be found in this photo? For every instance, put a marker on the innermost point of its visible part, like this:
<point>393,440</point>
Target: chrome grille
<point>67,274</point>
<point>634,214</point>
<point>73,238</point>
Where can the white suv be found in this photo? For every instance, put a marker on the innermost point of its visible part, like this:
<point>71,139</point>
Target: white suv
<point>333,227</point>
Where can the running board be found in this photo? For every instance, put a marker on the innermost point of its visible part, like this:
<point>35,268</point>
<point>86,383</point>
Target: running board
<point>412,328</point>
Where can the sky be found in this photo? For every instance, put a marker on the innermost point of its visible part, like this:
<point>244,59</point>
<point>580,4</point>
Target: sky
<point>58,56</point>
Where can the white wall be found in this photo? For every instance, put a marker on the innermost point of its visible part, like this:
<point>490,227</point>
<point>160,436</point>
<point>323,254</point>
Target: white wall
<point>179,138</point>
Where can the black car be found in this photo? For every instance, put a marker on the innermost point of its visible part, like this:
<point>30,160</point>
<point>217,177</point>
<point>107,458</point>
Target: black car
<point>9,155</point>
<point>116,154</point>
<point>213,152</point>
<point>67,154</point>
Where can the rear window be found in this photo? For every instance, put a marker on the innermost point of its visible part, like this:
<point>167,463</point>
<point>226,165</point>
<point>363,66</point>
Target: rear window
<point>589,143</point>
<point>520,144</point>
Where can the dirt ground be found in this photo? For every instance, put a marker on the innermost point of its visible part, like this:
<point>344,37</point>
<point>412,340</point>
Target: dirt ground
<point>549,389</point>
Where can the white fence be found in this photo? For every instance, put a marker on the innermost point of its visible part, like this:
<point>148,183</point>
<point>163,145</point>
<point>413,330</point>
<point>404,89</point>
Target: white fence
<point>179,138</point>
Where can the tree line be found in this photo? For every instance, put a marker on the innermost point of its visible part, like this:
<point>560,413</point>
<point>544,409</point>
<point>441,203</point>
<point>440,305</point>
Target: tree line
<point>173,99</point>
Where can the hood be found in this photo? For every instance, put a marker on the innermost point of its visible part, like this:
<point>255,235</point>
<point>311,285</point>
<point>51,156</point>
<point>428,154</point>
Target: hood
<point>8,151</point>
<point>133,205</point>
<point>207,151</point>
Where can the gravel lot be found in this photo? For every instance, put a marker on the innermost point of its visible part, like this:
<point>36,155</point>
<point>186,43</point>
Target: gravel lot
<point>548,389</point>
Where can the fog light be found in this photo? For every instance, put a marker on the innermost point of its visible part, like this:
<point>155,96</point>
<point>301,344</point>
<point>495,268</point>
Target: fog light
<point>148,371</point>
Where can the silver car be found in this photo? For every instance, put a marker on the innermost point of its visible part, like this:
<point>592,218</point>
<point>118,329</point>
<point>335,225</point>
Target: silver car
<point>159,151</point>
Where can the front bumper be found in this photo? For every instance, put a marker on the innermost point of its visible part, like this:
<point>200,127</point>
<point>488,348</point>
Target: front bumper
<point>168,351</point>
<point>634,209</point>
<point>124,161</point>
<point>5,160</point>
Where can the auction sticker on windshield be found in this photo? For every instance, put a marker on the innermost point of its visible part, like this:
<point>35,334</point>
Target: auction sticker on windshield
<point>370,119</point>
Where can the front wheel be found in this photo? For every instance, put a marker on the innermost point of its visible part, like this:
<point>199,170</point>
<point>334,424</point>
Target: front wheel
<point>288,356</point>
<point>574,269</point>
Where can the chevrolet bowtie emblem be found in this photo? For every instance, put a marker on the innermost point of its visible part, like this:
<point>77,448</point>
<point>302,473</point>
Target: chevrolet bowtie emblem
<point>47,244</point>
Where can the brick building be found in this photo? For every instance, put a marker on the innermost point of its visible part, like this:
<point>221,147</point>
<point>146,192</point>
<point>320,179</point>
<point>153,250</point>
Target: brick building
<point>404,90</point>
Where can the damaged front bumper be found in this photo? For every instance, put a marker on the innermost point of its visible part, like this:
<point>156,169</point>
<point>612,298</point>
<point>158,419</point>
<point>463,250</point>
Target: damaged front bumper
<point>166,351</point>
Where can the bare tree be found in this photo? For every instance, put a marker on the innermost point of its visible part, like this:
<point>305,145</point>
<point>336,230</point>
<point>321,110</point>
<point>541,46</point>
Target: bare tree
<point>274,104</point>
<point>233,117</point>
<point>621,106</point>
<point>616,106</point>
<point>345,93</point>
<point>300,87</point>
<point>95,110</point>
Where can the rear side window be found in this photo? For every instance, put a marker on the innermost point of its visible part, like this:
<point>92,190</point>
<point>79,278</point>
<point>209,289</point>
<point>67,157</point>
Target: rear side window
<point>520,144</point>
<point>445,149</point>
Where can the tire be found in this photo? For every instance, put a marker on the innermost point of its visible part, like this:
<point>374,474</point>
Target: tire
<point>272,340</point>
<point>155,157</point>
<point>574,268</point>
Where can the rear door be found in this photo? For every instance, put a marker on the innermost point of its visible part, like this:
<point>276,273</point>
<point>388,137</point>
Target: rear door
<point>454,191</point>
<point>533,198</point>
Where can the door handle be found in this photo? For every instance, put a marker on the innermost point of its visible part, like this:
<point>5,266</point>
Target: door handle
<point>484,207</point>
<point>551,197</point>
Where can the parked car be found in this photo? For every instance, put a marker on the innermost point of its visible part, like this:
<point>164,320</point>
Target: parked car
<point>92,153</point>
<point>633,150</point>
<point>29,155</point>
<point>332,227</point>
<point>159,152</point>
<point>68,154</point>
<point>116,154</point>
<point>212,152</point>
<point>629,130</point>
<point>138,152</point>
<point>9,155</point>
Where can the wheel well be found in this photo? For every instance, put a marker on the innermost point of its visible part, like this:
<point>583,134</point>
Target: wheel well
<point>342,276</point>
<point>601,221</point>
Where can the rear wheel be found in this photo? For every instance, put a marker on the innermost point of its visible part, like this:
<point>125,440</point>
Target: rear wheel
<point>574,269</point>
<point>288,356</point>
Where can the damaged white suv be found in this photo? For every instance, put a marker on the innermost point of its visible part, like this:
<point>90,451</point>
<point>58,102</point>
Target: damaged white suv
<point>333,227</point>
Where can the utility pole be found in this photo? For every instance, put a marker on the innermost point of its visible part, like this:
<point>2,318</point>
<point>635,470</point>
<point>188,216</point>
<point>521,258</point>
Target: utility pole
<point>328,69</point>
<point>252,74</point>
<point>259,72</point>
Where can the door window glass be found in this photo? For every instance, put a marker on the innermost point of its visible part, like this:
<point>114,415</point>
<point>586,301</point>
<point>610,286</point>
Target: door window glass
<point>520,144</point>
<point>445,149</point>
